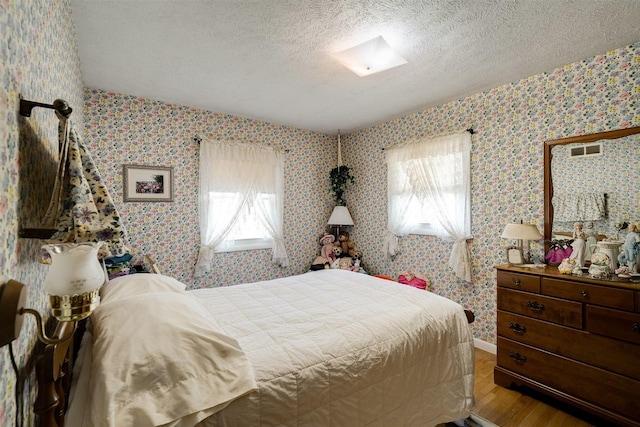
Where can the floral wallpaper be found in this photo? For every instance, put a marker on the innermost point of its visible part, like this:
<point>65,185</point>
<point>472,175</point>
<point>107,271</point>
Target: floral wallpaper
<point>39,62</point>
<point>511,123</point>
<point>122,129</point>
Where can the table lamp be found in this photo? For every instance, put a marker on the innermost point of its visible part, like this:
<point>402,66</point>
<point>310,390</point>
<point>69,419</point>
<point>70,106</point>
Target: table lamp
<point>519,232</point>
<point>340,216</point>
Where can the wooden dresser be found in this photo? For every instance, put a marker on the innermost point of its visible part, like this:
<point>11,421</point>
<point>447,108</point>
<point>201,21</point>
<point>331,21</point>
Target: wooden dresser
<point>574,338</point>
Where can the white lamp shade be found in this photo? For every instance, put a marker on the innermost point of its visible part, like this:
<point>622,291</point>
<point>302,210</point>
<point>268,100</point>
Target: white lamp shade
<point>74,278</point>
<point>521,232</point>
<point>340,216</point>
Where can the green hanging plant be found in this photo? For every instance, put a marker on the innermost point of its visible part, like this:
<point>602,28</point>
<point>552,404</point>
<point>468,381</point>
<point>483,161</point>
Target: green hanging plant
<point>340,177</point>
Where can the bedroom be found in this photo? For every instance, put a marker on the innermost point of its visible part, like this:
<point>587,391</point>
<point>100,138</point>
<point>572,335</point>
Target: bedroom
<point>41,62</point>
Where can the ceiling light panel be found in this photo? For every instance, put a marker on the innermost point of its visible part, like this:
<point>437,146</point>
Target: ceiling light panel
<point>370,57</point>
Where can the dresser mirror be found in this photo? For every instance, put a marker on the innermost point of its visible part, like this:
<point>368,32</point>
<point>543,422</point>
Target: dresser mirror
<point>592,179</point>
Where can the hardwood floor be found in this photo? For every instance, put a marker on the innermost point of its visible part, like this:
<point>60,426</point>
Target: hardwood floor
<point>510,408</point>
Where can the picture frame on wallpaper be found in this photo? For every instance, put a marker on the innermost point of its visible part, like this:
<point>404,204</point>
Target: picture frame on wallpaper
<point>143,183</point>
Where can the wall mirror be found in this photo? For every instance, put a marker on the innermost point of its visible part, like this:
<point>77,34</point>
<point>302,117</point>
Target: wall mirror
<point>591,178</point>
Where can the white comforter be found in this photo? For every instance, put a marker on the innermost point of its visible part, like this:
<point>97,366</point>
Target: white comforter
<point>326,348</point>
<point>337,348</point>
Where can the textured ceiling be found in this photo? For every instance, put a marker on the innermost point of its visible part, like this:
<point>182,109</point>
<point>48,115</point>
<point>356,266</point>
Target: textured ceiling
<point>271,59</point>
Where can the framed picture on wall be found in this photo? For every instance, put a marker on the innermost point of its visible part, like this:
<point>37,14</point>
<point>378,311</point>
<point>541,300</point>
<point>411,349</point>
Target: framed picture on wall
<point>143,183</point>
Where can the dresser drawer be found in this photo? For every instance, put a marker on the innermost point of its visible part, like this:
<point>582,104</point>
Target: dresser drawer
<point>607,353</point>
<point>606,389</point>
<point>568,313</point>
<point>519,281</point>
<point>614,323</point>
<point>592,294</point>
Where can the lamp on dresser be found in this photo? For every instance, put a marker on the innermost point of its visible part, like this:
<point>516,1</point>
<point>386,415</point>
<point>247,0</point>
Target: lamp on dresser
<point>72,283</point>
<point>520,232</point>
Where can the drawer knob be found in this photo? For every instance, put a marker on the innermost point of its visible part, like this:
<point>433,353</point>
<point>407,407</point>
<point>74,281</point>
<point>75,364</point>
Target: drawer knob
<point>635,327</point>
<point>584,293</point>
<point>535,306</point>
<point>518,328</point>
<point>517,357</point>
<point>517,282</point>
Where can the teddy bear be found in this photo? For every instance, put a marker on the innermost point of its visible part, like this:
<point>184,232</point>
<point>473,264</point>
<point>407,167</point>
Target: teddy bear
<point>326,241</point>
<point>337,253</point>
<point>346,244</point>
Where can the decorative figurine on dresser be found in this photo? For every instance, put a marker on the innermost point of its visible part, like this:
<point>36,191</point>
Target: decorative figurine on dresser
<point>592,240</point>
<point>630,249</point>
<point>579,244</point>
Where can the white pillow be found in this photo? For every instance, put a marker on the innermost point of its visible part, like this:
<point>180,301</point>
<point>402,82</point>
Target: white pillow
<point>139,283</point>
<point>157,358</point>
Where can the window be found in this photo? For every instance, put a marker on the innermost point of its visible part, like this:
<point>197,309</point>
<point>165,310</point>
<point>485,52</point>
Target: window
<point>241,200</point>
<point>247,232</point>
<point>429,186</point>
<point>429,192</point>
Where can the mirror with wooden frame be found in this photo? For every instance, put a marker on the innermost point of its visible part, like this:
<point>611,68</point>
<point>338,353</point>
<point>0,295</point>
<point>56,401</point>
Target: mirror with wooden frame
<point>600,169</point>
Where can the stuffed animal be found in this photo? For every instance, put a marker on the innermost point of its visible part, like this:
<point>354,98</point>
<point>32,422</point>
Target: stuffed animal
<point>326,241</point>
<point>346,244</point>
<point>356,259</point>
<point>337,252</point>
<point>344,263</point>
<point>320,263</point>
<point>340,262</point>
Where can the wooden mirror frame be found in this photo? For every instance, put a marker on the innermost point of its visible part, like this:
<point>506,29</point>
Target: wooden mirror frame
<point>548,182</point>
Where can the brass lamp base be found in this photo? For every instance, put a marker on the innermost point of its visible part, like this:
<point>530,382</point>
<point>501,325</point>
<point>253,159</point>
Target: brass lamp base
<point>74,307</point>
<point>13,296</point>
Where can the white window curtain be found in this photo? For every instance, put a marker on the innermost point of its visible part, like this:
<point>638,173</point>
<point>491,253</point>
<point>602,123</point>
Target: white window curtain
<point>435,172</point>
<point>240,175</point>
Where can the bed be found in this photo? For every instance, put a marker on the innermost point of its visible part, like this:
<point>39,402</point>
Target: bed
<point>325,348</point>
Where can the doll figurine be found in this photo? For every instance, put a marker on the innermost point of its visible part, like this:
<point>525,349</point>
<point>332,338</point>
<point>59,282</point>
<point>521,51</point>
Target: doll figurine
<point>326,241</point>
<point>558,250</point>
<point>579,244</point>
<point>629,254</point>
<point>591,238</point>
